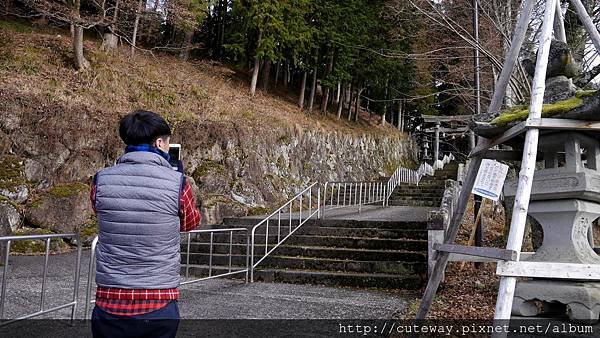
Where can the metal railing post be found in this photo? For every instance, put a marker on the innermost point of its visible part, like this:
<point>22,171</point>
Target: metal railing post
<point>252,258</point>
<point>230,248</point>
<point>247,255</point>
<point>4,274</point>
<point>45,273</point>
<point>187,259</point>
<point>319,215</point>
<point>210,255</point>
<point>77,275</point>
<point>88,289</point>
<point>360,198</point>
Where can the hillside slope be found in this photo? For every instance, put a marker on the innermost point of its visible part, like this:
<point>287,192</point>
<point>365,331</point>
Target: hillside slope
<point>59,126</point>
<point>37,61</point>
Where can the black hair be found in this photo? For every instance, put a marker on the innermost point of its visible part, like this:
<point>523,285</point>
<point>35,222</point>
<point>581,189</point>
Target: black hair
<point>142,127</point>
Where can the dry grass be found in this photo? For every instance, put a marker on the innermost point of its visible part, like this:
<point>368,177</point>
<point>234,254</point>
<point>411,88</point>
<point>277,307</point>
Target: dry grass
<point>38,61</point>
<point>469,292</point>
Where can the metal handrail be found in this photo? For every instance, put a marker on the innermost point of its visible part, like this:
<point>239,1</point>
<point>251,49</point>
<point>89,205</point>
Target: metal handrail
<point>47,238</point>
<point>210,256</point>
<point>290,209</point>
<point>359,193</point>
<point>188,234</point>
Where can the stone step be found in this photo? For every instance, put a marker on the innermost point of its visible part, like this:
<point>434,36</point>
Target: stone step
<point>363,232</point>
<point>326,241</point>
<point>414,203</point>
<point>415,198</point>
<point>422,187</point>
<point>351,279</point>
<point>382,225</point>
<point>359,242</point>
<point>436,192</point>
<point>315,251</point>
<point>251,221</point>
<point>310,263</point>
<point>326,278</point>
<point>311,230</point>
<point>401,225</point>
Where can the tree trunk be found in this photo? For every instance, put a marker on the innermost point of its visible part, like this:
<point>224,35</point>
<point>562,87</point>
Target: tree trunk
<point>266,74</point>
<point>399,116</point>
<point>350,101</point>
<point>221,29</point>
<point>256,67</point>
<point>302,90</point>
<point>77,39</point>
<point>80,61</point>
<point>187,43</point>
<point>325,99</point>
<point>136,24</point>
<point>313,88</point>
<point>277,72</point>
<point>255,75</point>
<point>340,100</point>
<point>110,40</point>
<point>285,73</point>
<point>338,95</point>
<point>512,56</point>
<point>7,4</point>
<point>357,102</point>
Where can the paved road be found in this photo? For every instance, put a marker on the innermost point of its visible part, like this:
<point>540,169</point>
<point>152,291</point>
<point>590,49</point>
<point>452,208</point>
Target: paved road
<point>212,299</point>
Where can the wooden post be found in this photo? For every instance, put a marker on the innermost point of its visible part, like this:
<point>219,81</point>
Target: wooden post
<point>589,25</point>
<point>559,24</point>
<point>506,291</point>
<point>512,57</point>
<point>442,257</point>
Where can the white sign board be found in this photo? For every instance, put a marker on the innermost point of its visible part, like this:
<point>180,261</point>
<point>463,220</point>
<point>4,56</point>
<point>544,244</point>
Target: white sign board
<point>490,179</point>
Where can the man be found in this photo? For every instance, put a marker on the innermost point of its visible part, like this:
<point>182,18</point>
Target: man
<point>141,204</point>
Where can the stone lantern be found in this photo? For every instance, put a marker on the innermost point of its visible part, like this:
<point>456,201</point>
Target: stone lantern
<point>565,200</point>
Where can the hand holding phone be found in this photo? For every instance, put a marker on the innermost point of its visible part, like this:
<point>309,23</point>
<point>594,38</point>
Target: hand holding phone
<point>175,157</point>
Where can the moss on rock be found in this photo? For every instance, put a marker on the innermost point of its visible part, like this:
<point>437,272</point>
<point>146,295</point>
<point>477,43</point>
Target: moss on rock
<point>520,113</point>
<point>36,246</point>
<point>67,190</point>
<point>258,211</point>
<point>12,203</point>
<point>12,173</point>
<point>207,167</point>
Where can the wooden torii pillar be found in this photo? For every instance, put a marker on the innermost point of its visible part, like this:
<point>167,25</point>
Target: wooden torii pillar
<point>509,266</point>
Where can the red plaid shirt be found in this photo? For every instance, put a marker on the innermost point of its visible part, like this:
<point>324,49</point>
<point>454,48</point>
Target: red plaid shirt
<point>128,302</point>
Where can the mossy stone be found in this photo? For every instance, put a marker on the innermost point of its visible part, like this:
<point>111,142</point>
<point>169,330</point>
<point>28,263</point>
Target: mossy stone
<point>207,167</point>
<point>520,113</point>
<point>12,173</point>
<point>36,246</point>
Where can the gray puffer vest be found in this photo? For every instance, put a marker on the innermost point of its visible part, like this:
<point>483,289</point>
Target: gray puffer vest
<point>137,204</point>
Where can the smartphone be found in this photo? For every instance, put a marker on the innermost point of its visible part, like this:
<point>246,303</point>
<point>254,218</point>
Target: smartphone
<point>175,155</point>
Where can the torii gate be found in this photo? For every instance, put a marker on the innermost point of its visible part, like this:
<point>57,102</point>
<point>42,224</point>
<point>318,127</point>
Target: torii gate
<point>509,267</point>
<point>434,123</point>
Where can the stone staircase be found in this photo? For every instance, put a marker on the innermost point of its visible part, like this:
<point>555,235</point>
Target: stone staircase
<point>380,254</point>
<point>341,252</point>
<point>428,193</point>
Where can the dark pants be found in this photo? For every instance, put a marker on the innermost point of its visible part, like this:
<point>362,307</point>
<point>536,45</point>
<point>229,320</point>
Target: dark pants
<point>161,323</point>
